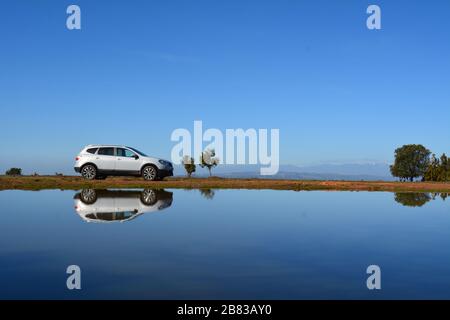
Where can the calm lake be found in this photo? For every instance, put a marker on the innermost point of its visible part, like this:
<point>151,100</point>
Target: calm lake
<point>223,244</point>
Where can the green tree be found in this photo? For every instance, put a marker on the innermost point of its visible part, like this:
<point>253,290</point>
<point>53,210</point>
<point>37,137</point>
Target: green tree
<point>444,169</point>
<point>411,161</point>
<point>14,172</point>
<point>438,169</point>
<point>189,165</point>
<point>433,170</point>
<point>208,159</point>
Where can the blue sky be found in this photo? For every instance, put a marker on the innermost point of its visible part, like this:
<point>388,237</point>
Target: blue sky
<point>137,70</point>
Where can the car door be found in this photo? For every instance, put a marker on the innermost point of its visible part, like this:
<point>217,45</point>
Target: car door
<point>127,161</point>
<point>105,159</point>
<point>128,202</point>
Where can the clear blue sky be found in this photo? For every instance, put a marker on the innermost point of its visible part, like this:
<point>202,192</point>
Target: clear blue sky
<point>137,70</point>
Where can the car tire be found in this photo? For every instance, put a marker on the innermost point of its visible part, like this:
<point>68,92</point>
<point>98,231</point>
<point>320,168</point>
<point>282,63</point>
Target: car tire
<point>149,173</point>
<point>148,197</point>
<point>89,172</point>
<point>88,196</point>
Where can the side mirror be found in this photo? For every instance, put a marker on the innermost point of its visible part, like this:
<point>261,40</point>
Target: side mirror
<point>136,157</point>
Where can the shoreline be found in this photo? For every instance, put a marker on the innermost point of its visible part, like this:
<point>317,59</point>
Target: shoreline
<point>75,183</point>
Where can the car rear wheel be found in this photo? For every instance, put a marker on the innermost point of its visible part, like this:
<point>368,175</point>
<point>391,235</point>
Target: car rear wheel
<point>149,173</point>
<point>89,172</point>
<point>88,196</point>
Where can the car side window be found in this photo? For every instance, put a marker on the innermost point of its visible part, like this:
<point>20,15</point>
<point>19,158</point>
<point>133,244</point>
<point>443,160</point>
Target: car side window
<point>106,151</point>
<point>125,153</point>
<point>120,152</point>
<point>129,153</point>
<point>92,150</point>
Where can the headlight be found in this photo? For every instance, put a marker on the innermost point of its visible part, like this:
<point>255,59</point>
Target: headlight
<point>165,163</point>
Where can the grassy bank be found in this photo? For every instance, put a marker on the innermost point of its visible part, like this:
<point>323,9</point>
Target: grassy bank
<point>75,183</point>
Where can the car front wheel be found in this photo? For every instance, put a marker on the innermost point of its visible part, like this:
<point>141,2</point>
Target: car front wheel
<point>149,173</point>
<point>148,197</point>
<point>89,172</point>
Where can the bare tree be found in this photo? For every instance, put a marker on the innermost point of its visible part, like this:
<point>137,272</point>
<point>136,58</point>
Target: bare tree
<point>189,165</point>
<point>209,160</point>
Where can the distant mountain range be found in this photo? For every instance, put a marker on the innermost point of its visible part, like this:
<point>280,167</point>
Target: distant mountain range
<point>364,171</point>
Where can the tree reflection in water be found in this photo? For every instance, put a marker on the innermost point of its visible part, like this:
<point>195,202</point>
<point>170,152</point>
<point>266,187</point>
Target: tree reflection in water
<point>417,199</point>
<point>207,193</point>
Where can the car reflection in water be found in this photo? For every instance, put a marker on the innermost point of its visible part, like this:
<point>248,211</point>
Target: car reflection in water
<point>119,205</point>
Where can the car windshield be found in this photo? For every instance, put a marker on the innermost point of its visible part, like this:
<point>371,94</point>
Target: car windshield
<point>138,152</point>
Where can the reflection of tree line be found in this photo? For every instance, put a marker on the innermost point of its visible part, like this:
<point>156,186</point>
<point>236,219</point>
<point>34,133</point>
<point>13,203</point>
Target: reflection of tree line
<point>409,199</point>
<point>205,193</point>
<point>416,199</point>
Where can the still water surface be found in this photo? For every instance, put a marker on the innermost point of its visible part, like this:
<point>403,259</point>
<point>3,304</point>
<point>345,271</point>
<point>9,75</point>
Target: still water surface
<point>226,244</point>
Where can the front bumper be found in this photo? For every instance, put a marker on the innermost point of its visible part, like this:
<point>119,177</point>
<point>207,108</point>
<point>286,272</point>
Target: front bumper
<point>165,173</point>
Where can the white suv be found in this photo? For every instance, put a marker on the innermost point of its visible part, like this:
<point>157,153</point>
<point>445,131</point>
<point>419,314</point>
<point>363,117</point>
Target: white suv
<point>100,161</point>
